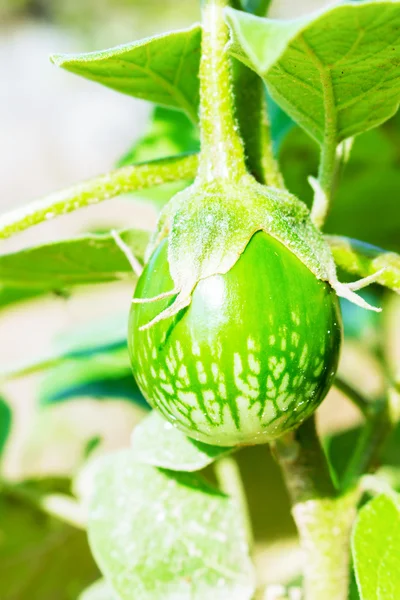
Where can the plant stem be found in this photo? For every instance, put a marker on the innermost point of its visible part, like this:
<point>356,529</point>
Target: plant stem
<point>222,152</point>
<point>230,481</point>
<point>323,188</point>
<point>323,518</point>
<point>127,179</point>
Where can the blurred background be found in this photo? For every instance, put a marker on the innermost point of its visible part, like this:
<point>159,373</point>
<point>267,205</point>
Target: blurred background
<point>57,129</point>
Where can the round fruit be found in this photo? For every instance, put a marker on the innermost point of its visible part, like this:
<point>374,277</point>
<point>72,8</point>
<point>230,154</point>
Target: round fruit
<point>251,357</point>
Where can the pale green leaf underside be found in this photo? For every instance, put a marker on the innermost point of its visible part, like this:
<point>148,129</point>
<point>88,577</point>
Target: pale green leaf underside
<point>335,71</point>
<point>161,536</point>
<point>162,69</point>
<point>99,590</point>
<point>156,442</point>
<point>376,549</point>
<point>91,258</point>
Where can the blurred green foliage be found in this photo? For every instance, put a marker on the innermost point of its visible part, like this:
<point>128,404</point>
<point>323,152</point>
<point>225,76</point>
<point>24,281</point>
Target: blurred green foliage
<point>40,557</point>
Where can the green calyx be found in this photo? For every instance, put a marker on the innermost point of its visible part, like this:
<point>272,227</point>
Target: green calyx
<point>252,355</point>
<point>210,224</point>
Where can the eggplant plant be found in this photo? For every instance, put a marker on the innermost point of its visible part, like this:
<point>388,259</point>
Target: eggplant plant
<point>235,331</point>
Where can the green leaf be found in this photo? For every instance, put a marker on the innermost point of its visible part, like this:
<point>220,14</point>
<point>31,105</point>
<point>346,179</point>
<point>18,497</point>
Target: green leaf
<point>88,259</point>
<point>11,295</point>
<point>40,557</point>
<point>100,590</point>
<point>336,72</point>
<point>162,536</point>
<point>363,259</point>
<point>376,549</point>
<point>162,69</point>
<point>103,375</point>
<point>156,442</point>
<point>95,337</point>
<point>5,423</point>
<point>255,7</point>
<point>170,133</point>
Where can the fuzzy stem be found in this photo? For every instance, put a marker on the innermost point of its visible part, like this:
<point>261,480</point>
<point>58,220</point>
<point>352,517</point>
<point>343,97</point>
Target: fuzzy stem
<point>127,179</point>
<point>222,153</point>
<point>322,517</point>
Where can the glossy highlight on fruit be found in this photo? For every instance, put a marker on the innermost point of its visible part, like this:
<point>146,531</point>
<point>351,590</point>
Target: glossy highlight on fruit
<point>251,357</point>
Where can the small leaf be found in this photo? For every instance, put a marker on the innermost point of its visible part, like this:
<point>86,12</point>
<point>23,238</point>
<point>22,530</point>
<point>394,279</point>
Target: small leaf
<point>376,549</point>
<point>162,536</point>
<point>5,423</point>
<point>99,590</point>
<point>156,442</point>
<point>87,259</point>
<point>335,72</point>
<point>162,69</point>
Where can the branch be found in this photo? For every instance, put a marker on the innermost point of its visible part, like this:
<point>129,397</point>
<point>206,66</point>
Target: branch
<point>323,518</point>
<point>359,258</point>
<point>127,179</point>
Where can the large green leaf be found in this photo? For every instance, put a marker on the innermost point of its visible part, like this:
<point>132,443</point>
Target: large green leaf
<point>101,375</point>
<point>91,258</point>
<point>41,558</point>
<point>376,549</point>
<point>162,69</point>
<point>156,442</point>
<point>161,536</point>
<point>5,423</point>
<point>336,72</point>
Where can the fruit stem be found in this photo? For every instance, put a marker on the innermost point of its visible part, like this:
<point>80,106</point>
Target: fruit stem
<point>222,153</point>
<point>230,482</point>
<point>127,179</point>
<point>323,518</point>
